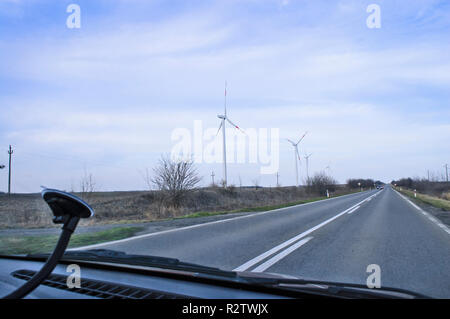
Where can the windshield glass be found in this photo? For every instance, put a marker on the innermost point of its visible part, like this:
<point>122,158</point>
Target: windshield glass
<point>307,139</point>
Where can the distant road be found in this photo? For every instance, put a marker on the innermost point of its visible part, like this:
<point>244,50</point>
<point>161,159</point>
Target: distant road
<point>331,240</point>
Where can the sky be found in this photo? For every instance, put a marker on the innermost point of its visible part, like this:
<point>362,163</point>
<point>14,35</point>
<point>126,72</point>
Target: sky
<point>106,98</point>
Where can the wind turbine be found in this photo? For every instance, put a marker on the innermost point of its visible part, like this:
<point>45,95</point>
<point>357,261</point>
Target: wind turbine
<point>224,118</point>
<point>307,165</point>
<point>296,157</point>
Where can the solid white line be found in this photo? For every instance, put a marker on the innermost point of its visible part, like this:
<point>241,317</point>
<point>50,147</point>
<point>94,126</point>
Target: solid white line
<point>430,217</point>
<point>275,249</point>
<point>434,220</point>
<point>200,225</point>
<point>281,255</point>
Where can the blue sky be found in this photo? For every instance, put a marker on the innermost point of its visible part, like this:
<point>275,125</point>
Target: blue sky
<point>106,97</point>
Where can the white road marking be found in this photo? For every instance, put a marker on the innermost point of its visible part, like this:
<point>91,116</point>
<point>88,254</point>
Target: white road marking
<point>288,242</point>
<point>203,224</point>
<point>434,220</point>
<point>353,210</point>
<point>281,255</point>
<point>430,217</point>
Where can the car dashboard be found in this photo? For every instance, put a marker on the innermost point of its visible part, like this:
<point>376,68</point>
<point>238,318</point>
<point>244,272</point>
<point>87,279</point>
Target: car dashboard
<point>104,283</point>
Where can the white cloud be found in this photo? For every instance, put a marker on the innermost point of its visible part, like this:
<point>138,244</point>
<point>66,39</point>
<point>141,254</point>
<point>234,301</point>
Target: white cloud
<point>115,95</point>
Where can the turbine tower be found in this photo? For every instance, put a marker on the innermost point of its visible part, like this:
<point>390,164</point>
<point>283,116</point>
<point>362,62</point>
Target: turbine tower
<point>307,165</point>
<point>296,157</point>
<point>224,118</point>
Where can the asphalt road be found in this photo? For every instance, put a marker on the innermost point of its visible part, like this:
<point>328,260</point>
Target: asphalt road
<point>331,240</point>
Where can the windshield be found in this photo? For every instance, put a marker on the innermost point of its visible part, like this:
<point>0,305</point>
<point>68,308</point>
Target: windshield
<point>294,138</point>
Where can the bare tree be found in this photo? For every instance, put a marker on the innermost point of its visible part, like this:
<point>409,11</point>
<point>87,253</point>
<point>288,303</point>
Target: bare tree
<point>87,184</point>
<point>320,183</point>
<point>175,179</point>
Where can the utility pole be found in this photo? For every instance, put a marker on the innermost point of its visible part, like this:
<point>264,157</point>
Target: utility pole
<point>446,172</point>
<point>278,184</point>
<point>10,152</point>
<point>212,176</point>
<point>428,172</point>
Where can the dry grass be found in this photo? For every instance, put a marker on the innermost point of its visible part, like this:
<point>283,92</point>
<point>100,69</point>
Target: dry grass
<point>446,196</point>
<point>428,199</point>
<point>46,243</point>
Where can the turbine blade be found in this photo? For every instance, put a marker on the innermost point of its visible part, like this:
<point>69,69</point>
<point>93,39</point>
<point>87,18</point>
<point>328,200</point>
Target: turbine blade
<point>235,126</point>
<point>290,141</point>
<point>219,128</point>
<point>301,138</point>
<point>225,96</point>
<point>298,154</point>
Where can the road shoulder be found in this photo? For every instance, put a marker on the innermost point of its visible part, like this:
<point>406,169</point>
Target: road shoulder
<point>429,212</point>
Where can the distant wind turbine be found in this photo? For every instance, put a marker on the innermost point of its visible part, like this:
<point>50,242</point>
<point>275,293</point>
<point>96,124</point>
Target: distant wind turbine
<point>224,118</point>
<point>307,165</point>
<point>296,157</point>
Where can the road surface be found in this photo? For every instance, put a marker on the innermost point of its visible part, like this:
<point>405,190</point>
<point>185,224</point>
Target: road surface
<point>330,240</point>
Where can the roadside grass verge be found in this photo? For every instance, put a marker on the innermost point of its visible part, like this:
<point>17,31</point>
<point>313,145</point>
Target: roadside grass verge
<point>10,245</point>
<point>258,208</point>
<point>249,209</point>
<point>225,212</point>
<point>42,244</point>
<point>427,199</point>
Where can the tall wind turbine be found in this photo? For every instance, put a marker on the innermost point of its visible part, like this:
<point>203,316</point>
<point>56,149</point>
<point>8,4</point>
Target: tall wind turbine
<point>307,165</point>
<point>296,157</point>
<point>224,118</point>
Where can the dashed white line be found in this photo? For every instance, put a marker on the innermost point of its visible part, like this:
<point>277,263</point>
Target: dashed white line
<point>281,255</point>
<point>288,242</point>
<point>353,210</point>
